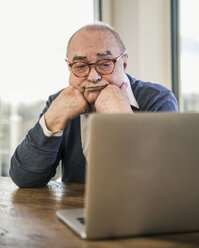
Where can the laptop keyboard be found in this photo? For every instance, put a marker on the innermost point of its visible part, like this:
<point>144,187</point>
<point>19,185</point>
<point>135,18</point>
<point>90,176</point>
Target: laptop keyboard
<point>81,220</point>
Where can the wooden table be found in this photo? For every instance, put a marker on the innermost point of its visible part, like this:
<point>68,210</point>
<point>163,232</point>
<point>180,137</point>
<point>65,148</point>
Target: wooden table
<point>28,219</point>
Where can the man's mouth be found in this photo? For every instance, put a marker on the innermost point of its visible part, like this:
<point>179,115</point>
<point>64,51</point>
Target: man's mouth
<point>95,88</point>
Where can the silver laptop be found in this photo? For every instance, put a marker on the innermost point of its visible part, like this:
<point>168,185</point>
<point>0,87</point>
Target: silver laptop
<point>142,176</point>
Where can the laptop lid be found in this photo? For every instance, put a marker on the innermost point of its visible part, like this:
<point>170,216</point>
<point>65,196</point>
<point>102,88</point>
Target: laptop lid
<point>142,174</point>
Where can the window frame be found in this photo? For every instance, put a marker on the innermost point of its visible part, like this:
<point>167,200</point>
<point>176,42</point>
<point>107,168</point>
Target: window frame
<point>175,47</point>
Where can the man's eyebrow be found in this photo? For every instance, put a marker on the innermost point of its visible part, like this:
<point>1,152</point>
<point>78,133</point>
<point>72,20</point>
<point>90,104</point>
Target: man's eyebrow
<point>79,58</point>
<point>98,54</point>
<point>104,54</point>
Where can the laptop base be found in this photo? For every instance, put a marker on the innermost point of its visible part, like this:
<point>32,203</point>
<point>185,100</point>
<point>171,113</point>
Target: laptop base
<point>74,218</point>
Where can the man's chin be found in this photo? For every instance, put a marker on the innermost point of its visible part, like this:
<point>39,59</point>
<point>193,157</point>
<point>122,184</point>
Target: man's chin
<point>91,97</point>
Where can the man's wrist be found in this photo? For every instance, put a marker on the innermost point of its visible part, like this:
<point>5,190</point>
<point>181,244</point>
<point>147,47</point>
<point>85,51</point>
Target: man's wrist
<point>46,131</point>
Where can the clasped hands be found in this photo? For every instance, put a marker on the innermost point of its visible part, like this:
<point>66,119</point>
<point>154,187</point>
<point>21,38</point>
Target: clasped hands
<point>71,102</point>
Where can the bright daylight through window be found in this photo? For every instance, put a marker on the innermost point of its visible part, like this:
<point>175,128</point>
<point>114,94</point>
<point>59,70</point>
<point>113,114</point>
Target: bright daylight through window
<point>34,36</point>
<point>189,55</point>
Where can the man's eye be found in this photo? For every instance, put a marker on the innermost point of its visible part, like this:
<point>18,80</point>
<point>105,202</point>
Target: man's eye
<point>80,66</point>
<point>105,64</point>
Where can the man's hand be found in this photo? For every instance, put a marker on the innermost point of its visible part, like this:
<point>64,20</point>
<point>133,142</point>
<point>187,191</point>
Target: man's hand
<point>113,99</point>
<point>69,104</point>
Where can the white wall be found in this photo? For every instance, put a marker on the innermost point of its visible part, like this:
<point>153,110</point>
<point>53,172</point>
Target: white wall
<point>144,26</point>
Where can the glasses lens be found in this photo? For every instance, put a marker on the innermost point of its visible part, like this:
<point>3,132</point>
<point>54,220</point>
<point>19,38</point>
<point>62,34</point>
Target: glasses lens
<point>80,69</point>
<point>105,66</point>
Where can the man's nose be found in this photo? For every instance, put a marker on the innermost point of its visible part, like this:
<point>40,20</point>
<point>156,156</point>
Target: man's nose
<point>93,75</point>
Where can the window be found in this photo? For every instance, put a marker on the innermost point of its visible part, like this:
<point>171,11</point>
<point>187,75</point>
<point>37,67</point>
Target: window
<point>189,55</point>
<point>34,36</point>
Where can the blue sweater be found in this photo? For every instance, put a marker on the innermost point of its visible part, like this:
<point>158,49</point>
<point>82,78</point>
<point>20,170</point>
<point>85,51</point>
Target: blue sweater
<point>35,160</point>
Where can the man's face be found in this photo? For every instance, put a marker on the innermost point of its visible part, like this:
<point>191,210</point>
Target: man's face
<point>92,46</point>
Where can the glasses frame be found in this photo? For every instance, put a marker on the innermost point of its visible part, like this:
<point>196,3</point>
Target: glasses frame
<point>114,60</point>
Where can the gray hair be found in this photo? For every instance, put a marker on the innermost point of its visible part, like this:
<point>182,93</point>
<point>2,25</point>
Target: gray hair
<point>99,26</point>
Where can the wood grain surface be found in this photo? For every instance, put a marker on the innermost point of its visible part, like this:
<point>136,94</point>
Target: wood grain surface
<point>28,219</point>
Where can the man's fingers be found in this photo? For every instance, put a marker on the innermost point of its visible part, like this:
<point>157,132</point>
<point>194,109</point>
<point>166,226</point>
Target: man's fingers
<point>81,89</point>
<point>124,86</point>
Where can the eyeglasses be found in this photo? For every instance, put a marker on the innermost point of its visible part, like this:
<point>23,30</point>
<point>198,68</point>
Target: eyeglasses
<point>103,67</point>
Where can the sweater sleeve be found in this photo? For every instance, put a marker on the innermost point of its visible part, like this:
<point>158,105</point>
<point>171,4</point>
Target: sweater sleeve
<point>154,97</point>
<point>35,160</point>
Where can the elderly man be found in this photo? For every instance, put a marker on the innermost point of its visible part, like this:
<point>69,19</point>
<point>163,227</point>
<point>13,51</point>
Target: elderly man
<point>97,60</point>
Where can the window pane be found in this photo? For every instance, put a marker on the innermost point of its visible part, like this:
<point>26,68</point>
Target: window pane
<point>189,55</point>
<point>34,36</point>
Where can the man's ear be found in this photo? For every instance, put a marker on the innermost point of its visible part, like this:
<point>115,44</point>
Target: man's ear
<point>125,59</point>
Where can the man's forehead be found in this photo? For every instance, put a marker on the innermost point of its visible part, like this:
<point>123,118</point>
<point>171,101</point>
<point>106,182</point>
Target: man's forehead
<point>105,34</point>
<point>87,41</point>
